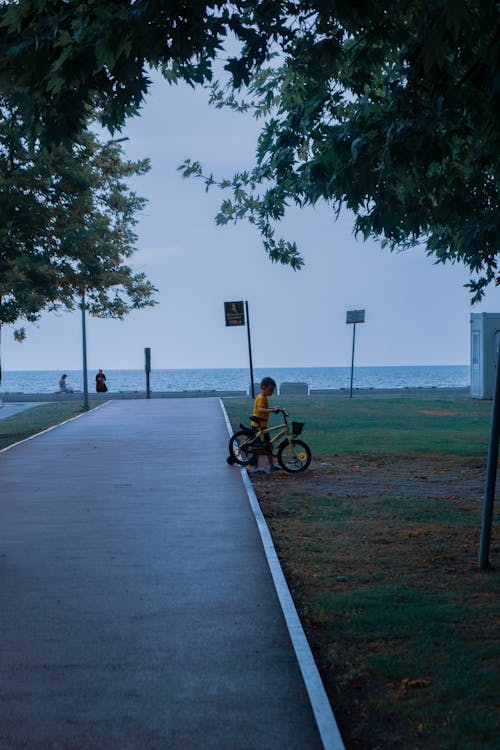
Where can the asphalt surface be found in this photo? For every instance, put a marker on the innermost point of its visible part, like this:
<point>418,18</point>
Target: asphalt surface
<point>137,609</point>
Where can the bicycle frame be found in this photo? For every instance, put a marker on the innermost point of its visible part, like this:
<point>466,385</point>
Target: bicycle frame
<point>285,431</point>
<point>293,455</point>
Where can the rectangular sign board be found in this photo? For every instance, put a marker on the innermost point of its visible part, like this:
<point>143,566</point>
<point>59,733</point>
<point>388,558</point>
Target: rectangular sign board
<point>355,316</point>
<point>234,313</point>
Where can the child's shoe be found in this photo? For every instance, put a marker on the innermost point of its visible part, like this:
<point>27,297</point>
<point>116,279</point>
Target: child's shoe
<point>274,468</point>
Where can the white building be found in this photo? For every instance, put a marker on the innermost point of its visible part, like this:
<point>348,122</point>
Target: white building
<point>485,343</point>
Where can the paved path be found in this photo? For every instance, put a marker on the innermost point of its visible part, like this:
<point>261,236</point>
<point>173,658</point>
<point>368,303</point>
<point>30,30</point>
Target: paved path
<point>136,606</point>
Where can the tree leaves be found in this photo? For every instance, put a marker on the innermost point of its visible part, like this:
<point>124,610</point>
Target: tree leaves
<point>401,129</point>
<point>385,107</point>
<point>66,220</point>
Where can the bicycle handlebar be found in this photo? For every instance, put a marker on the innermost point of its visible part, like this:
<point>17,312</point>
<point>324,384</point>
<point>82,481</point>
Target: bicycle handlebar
<point>282,411</point>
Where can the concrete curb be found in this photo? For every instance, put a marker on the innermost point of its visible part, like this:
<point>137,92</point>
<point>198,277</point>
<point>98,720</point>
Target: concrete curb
<point>323,714</point>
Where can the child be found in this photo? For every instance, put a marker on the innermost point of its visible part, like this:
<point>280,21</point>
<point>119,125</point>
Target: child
<point>262,410</point>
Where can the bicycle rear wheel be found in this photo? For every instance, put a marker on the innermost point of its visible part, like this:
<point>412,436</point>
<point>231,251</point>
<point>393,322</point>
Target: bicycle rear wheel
<point>294,457</point>
<point>240,448</point>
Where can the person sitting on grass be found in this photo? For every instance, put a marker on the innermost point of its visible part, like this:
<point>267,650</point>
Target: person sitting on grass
<point>262,410</point>
<point>64,387</point>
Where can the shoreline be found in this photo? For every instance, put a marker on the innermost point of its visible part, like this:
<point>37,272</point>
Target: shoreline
<point>111,395</point>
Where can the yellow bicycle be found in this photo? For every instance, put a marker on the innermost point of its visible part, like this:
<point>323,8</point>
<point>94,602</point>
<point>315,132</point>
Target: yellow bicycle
<point>293,455</point>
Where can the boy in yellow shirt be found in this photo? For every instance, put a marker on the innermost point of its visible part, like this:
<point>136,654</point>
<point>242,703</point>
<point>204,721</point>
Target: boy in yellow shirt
<point>262,410</point>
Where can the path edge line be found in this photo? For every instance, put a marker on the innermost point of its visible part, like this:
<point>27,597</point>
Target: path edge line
<point>322,710</point>
<point>54,427</point>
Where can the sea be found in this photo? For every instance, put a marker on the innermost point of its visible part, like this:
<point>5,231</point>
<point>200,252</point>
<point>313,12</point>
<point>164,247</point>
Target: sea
<point>235,379</point>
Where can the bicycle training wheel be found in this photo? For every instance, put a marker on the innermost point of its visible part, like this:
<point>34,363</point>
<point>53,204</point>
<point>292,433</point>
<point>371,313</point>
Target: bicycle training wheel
<point>295,457</point>
<point>239,448</point>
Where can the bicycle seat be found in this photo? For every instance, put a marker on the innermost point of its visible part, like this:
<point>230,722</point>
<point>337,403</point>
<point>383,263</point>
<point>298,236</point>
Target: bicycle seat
<point>257,419</point>
<point>247,430</point>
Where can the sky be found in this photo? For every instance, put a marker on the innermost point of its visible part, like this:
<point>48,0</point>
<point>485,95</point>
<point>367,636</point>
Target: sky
<point>417,312</point>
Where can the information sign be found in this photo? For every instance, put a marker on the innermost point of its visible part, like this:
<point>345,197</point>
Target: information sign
<point>234,313</point>
<point>355,316</point>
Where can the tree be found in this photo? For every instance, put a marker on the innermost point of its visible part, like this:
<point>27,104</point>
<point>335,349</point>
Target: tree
<point>66,224</point>
<point>78,54</point>
<point>387,107</point>
<point>391,111</point>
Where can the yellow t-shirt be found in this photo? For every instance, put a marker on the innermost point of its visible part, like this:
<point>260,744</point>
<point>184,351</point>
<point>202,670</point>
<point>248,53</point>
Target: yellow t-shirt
<point>261,401</point>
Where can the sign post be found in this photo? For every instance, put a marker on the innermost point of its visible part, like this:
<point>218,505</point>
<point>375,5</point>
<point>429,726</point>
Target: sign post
<point>147,367</point>
<point>354,316</point>
<point>234,313</point>
<point>250,351</point>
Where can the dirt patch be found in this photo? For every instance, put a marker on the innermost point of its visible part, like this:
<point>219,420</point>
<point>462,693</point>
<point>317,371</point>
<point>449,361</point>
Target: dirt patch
<point>350,524</point>
<point>405,508</point>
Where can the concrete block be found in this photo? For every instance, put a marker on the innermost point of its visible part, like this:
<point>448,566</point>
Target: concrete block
<point>294,389</point>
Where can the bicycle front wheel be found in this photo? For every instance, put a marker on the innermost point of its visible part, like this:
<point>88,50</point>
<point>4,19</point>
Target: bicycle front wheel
<point>240,448</point>
<point>294,456</point>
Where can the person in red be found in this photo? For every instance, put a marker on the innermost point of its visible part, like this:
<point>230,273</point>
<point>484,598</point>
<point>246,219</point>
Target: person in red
<point>100,382</point>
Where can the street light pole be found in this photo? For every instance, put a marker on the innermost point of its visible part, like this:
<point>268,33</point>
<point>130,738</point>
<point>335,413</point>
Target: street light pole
<point>117,140</point>
<point>84,330</point>
<point>84,351</point>
<point>1,402</point>
<point>491,475</point>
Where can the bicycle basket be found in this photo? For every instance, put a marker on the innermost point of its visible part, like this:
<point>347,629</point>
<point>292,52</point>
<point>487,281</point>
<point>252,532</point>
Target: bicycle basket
<point>297,428</point>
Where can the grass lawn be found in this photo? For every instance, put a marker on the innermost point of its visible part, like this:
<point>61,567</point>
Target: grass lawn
<point>379,543</point>
<point>39,418</point>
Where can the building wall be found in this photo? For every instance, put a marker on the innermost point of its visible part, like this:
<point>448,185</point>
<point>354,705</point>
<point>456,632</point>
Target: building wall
<point>485,344</point>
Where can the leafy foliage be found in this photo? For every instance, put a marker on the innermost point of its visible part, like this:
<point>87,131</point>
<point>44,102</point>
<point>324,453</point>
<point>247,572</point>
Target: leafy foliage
<point>79,54</point>
<point>66,219</point>
<point>389,110</point>
<point>387,107</point>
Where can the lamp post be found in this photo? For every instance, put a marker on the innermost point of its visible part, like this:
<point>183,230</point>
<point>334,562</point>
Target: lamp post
<point>117,140</point>
<point>1,402</point>
<point>491,475</point>
<point>84,358</point>
<point>84,327</point>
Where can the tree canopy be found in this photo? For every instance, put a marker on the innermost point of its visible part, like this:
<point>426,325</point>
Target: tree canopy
<point>388,107</point>
<point>391,111</point>
<point>66,225</point>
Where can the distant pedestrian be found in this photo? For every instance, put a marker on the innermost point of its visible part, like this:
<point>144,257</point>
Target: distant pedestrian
<point>100,382</point>
<point>63,385</point>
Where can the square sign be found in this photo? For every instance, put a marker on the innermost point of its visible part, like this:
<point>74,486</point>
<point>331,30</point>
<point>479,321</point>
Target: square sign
<point>234,313</point>
<point>355,316</point>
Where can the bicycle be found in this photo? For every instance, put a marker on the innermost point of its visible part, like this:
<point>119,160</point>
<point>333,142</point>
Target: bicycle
<point>293,455</point>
